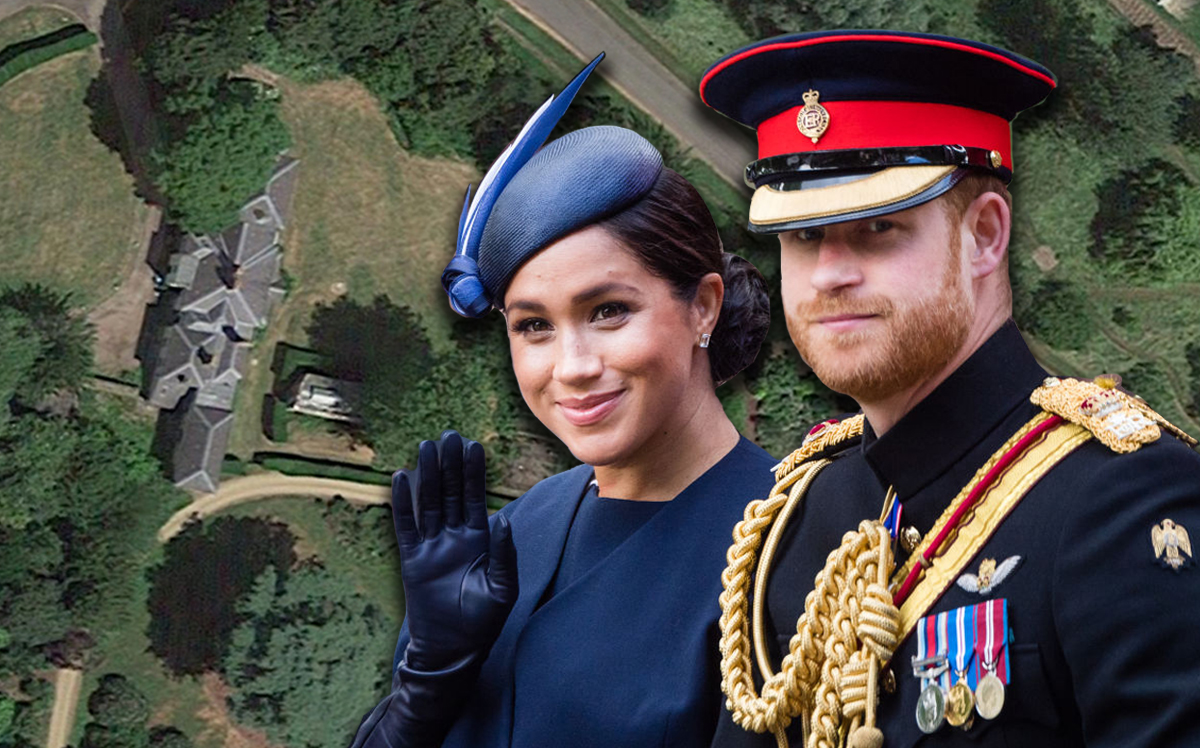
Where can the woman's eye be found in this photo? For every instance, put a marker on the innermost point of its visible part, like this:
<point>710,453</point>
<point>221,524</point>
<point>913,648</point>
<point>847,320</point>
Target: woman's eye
<point>610,310</point>
<point>531,325</point>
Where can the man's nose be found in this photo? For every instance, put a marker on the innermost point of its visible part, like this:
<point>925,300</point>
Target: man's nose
<point>837,266</point>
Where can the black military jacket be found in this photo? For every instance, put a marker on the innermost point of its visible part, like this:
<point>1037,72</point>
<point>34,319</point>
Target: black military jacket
<point>1105,647</point>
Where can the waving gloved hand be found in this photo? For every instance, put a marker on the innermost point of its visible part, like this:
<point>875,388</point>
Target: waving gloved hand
<point>460,580</point>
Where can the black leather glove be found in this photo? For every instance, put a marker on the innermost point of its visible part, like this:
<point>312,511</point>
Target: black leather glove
<point>460,582</point>
<point>460,579</point>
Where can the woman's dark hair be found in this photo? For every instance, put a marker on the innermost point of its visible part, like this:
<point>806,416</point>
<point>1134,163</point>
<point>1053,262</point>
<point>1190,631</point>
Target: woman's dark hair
<point>673,235</point>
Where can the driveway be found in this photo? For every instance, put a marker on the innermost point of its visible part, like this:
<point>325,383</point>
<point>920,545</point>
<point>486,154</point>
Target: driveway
<point>265,485</point>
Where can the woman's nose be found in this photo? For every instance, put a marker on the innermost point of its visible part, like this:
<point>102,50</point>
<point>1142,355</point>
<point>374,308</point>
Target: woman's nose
<point>578,360</point>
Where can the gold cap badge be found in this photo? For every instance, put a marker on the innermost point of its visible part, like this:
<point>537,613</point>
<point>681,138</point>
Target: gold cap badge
<point>813,119</point>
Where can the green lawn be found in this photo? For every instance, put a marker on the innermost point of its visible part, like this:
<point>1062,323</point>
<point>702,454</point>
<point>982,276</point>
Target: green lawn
<point>367,218</point>
<point>68,215</point>
<point>688,37</point>
<point>31,23</point>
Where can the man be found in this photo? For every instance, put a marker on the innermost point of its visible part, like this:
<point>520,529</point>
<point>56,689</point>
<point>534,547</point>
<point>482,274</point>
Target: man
<point>1034,585</point>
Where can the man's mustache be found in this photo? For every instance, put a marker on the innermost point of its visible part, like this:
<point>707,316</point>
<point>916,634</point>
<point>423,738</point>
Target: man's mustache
<point>836,306</point>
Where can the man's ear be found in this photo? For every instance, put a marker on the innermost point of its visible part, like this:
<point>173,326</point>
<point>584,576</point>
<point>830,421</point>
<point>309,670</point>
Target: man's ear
<point>986,227</point>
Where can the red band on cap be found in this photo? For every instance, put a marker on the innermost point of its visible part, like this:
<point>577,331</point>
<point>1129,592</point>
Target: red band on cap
<point>888,124</point>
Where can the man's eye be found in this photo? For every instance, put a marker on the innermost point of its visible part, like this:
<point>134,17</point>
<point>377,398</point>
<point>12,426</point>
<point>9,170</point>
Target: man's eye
<point>610,310</point>
<point>879,225</point>
<point>815,234</point>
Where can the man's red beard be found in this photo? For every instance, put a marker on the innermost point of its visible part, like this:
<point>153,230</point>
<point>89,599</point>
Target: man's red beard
<point>914,343</point>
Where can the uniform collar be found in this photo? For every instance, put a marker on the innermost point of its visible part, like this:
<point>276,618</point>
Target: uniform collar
<point>935,435</point>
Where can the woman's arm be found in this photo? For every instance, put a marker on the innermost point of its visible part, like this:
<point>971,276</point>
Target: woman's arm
<point>460,582</point>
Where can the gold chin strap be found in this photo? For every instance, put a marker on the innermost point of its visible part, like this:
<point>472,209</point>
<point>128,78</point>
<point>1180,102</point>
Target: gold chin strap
<point>849,626</point>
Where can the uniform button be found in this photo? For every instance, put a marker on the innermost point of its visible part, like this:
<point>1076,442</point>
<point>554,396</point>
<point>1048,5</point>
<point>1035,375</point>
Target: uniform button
<point>889,681</point>
<point>910,538</point>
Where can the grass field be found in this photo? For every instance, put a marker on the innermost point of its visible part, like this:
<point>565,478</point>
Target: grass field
<point>31,23</point>
<point>688,37</point>
<point>68,215</point>
<point>368,219</point>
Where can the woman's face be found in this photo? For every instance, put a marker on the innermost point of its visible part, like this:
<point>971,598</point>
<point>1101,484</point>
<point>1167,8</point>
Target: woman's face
<point>604,352</point>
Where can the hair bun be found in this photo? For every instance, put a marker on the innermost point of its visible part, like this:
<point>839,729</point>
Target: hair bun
<point>745,317</point>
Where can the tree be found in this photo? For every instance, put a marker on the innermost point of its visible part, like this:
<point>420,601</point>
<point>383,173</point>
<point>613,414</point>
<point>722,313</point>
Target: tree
<point>63,339</point>
<point>223,158</point>
<point>21,347</point>
<point>169,737</point>
<point>306,667</point>
<point>206,49</point>
<point>116,702</point>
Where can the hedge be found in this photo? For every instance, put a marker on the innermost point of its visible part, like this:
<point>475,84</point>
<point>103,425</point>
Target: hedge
<point>18,58</point>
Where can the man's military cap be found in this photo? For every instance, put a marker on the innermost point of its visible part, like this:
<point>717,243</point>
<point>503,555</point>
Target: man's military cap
<point>854,124</point>
<point>530,198</point>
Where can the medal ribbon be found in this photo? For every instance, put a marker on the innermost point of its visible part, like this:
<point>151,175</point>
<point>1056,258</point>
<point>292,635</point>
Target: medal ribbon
<point>962,644</point>
<point>932,639</point>
<point>892,523</point>
<point>991,639</point>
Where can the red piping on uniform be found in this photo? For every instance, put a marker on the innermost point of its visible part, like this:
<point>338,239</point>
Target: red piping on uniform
<point>872,38</point>
<point>981,487</point>
<point>888,124</point>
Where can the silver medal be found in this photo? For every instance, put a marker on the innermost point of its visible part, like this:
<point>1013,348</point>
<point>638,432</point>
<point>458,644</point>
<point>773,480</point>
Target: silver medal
<point>931,708</point>
<point>989,696</point>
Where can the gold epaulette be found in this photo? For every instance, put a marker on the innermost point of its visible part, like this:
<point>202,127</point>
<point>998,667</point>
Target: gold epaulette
<point>1120,421</point>
<point>823,437</point>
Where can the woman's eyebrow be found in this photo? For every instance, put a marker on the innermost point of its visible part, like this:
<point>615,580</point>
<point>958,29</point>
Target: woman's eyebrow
<point>601,290</point>
<point>529,305</point>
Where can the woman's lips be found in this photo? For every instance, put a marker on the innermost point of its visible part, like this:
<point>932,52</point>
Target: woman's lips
<point>585,411</point>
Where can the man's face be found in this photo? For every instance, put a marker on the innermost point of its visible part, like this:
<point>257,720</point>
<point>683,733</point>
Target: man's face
<point>878,305</point>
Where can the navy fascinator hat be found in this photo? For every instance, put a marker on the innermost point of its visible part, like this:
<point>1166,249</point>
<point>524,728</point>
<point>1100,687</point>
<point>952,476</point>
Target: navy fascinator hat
<point>530,198</point>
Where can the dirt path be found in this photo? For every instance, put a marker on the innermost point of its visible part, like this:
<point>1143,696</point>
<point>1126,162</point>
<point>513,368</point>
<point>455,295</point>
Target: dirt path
<point>66,698</point>
<point>266,485</point>
<point>118,319</point>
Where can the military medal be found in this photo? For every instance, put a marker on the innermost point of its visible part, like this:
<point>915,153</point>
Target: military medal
<point>959,703</point>
<point>989,696</point>
<point>931,704</point>
<point>990,645</point>
<point>960,699</point>
<point>931,665</point>
<point>931,708</point>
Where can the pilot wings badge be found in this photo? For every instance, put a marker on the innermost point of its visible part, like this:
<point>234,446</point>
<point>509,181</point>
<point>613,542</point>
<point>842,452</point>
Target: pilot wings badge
<point>1171,544</point>
<point>990,575</point>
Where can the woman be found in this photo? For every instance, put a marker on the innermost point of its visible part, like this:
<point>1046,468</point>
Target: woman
<point>587,614</point>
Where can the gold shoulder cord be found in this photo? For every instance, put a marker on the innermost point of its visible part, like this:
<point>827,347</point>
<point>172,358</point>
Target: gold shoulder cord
<point>848,628</point>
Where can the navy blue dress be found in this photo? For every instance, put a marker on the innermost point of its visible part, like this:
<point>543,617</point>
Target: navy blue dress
<point>614,644</point>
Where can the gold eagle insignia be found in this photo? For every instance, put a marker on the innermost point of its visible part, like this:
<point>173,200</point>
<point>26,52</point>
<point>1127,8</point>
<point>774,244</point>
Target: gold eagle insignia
<point>1171,543</point>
